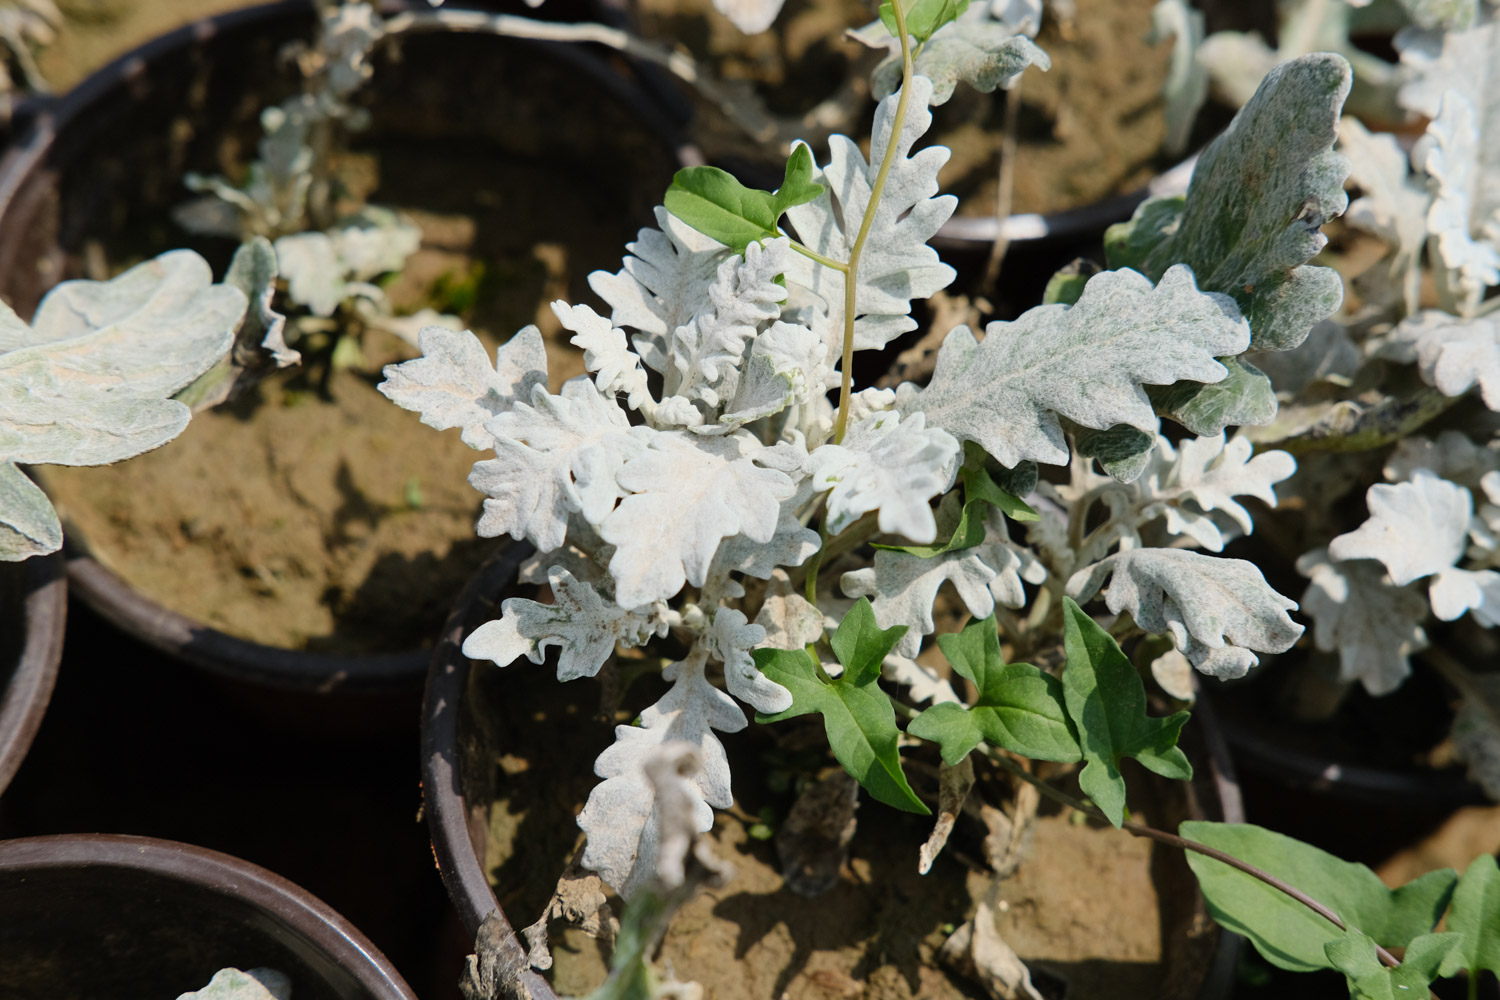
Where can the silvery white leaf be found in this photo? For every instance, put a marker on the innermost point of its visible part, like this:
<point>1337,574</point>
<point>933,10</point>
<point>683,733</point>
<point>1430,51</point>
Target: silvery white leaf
<point>788,366</point>
<point>1186,86</point>
<point>1453,354</point>
<point>897,265</point>
<point>1451,15</point>
<point>28,523</point>
<point>374,241</point>
<point>584,626</point>
<point>1174,673</point>
<point>750,16</point>
<point>315,277</point>
<point>103,357</point>
<point>730,638</point>
<point>1464,217</point>
<point>902,587</point>
<point>1327,355</point>
<point>1254,211</point>
<point>1451,456</point>
<point>1373,624</point>
<point>889,466</point>
<point>1086,362</point>
<point>618,818</point>
<point>1421,528</point>
<point>453,385</point>
<point>1219,612</point>
<point>983,52</point>
<point>792,544</point>
<point>1393,203</point>
<point>706,351</point>
<point>922,683</point>
<point>686,494</point>
<point>553,456</point>
<point>1205,475</point>
<point>350,31</point>
<point>663,284</point>
<point>606,353</point>
<point>1439,61</point>
<point>790,620</point>
<point>232,984</point>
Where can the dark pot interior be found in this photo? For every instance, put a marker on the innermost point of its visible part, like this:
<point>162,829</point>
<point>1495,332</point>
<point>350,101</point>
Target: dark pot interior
<point>462,745</point>
<point>131,918</point>
<point>103,168</point>
<point>33,612</point>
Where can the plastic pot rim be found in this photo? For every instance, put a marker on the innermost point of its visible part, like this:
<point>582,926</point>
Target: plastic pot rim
<point>24,699</point>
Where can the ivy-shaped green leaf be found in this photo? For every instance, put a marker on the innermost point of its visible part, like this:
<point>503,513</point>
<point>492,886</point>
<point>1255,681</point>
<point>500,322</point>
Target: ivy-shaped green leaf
<point>979,491</point>
<point>713,202</point>
<point>1019,708</point>
<point>1475,916</point>
<point>857,714</point>
<point>1369,979</point>
<point>1287,933</point>
<point>1107,702</point>
<point>923,17</point>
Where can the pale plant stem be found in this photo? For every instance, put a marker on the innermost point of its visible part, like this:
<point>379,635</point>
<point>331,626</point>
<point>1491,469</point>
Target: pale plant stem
<point>851,275</point>
<point>825,261</point>
<point>1005,185</point>
<point>1173,840</point>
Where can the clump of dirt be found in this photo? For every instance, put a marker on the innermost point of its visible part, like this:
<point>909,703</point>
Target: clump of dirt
<point>1093,907</point>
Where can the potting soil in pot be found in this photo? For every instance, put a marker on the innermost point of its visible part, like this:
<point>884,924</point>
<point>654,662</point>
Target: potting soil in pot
<point>1092,906</point>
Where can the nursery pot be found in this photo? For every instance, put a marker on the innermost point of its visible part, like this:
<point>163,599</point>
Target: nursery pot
<point>34,604</point>
<point>101,917</point>
<point>93,178</point>
<point>464,769</point>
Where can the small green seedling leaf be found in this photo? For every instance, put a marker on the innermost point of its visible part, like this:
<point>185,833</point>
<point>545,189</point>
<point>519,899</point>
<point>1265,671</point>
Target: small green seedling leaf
<point>979,490</point>
<point>1107,702</point>
<point>1288,934</point>
<point>923,17</point>
<point>1475,917</point>
<point>1019,708</point>
<point>857,714</point>
<point>713,202</point>
<point>1353,954</point>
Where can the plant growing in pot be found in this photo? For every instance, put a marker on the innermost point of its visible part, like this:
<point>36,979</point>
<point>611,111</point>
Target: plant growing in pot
<point>672,495</point>
<point>318,564</point>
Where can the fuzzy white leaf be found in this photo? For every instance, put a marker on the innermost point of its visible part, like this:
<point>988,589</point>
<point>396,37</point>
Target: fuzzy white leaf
<point>897,265</point>
<point>922,683</point>
<point>453,384</point>
<point>1464,218</point>
<point>706,351</point>
<point>1374,625</point>
<point>232,984</point>
<point>792,544</point>
<point>687,493</point>
<point>1219,612</point>
<point>750,16</point>
<point>890,466</point>
<point>976,47</point>
<point>555,455</point>
<point>1451,456</point>
<point>315,277</point>
<point>1205,475</point>
<point>1327,355</point>
<point>730,639</point>
<point>28,523</point>
<point>584,626</point>
<point>606,353</point>
<point>1086,362</point>
<point>663,284</point>
<point>1415,529</point>
<point>93,381</point>
<point>1393,204</point>
<point>623,838</point>
<point>1453,354</point>
<point>788,366</point>
<point>790,620</point>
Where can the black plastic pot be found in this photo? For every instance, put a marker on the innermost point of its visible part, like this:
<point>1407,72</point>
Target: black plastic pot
<point>130,918</point>
<point>34,608</point>
<point>458,769</point>
<point>192,82</point>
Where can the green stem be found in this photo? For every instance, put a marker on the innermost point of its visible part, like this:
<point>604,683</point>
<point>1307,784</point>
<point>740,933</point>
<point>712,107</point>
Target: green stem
<point>811,254</point>
<point>851,274</point>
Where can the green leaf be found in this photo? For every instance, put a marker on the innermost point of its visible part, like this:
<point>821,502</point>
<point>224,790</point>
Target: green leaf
<point>1020,707</point>
<point>1107,702</point>
<point>857,714</point>
<point>713,202</point>
<point>1287,933</point>
<point>1353,954</point>
<point>1123,451</point>
<point>979,489</point>
<point>1245,396</point>
<point>1066,286</point>
<point>923,17</point>
<point>1254,212</point>
<point>1475,917</point>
